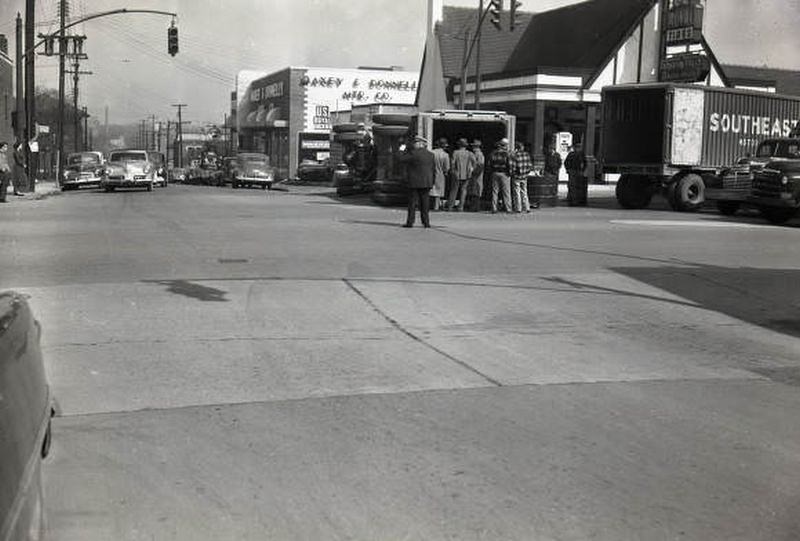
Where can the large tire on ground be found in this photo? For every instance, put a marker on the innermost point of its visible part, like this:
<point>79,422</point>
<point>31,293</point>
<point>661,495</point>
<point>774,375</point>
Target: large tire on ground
<point>777,216</point>
<point>109,188</point>
<point>690,193</point>
<point>634,192</point>
<point>728,208</point>
<point>389,187</point>
<point>348,127</point>
<point>390,199</point>
<point>396,119</point>
<point>150,187</point>
<point>390,130</point>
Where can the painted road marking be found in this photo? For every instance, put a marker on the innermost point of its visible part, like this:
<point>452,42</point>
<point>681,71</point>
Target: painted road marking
<point>688,223</point>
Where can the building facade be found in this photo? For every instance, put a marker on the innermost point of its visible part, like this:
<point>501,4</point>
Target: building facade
<point>552,74</point>
<point>288,114</point>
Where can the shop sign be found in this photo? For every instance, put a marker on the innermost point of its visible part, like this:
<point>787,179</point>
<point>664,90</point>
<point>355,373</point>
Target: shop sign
<point>329,91</point>
<point>687,68</point>
<point>273,90</point>
<point>683,35</point>
<point>311,144</point>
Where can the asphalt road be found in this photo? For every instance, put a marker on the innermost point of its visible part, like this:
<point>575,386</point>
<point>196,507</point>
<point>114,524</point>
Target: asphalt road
<point>286,365</point>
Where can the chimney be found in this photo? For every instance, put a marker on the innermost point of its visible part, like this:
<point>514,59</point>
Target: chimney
<point>434,13</point>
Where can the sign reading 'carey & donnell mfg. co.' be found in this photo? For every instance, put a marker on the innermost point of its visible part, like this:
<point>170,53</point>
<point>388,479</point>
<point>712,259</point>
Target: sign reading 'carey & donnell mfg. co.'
<point>337,90</point>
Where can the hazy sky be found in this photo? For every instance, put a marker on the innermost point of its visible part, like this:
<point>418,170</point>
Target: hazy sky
<point>135,77</point>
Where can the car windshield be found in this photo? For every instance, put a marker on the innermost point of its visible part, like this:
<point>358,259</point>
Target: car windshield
<point>254,159</point>
<point>83,159</point>
<point>778,149</point>
<point>128,157</point>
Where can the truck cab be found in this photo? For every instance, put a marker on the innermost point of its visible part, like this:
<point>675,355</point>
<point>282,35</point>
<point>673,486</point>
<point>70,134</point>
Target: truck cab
<point>733,186</point>
<point>775,187</point>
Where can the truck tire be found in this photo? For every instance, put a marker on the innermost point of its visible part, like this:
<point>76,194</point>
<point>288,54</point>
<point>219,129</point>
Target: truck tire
<point>389,186</point>
<point>728,208</point>
<point>777,216</point>
<point>398,119</point>
<point>690,193</point>
<point>633,192</point>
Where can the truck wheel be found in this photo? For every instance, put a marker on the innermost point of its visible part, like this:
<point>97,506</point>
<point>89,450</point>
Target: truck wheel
<point>633,192</point>
<point>728,208</point>
<point>690,193</point>
<point>150,187</point>
<point>777,216</point>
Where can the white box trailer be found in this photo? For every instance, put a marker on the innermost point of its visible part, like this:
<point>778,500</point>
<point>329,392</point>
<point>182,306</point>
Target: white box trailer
<point>487,126</point>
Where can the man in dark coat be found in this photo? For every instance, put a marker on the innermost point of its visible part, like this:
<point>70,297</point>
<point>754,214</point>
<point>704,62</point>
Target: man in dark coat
<point>575,164</point>
<point>420,172</point>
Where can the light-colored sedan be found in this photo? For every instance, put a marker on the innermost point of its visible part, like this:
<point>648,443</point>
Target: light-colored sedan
<point>252,169</point>
<point>129,169</point>
<point>82,169</point>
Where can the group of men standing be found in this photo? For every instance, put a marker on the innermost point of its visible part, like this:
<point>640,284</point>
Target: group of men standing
<point>428,172</point>
<point>12,169</point>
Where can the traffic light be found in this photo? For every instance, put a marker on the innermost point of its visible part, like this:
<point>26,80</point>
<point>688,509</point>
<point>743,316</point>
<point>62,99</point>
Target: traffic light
<point>172,40</point>
<point>512,14</point>
<point>495,7</point>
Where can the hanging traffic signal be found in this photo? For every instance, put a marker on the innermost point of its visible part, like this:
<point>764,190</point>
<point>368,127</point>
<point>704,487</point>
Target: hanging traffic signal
<point>512,14</point>
<point>172,40</point>
<point>495,8</point>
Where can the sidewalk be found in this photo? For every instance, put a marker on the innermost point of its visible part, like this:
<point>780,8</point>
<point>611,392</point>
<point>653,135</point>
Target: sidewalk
<point>44,189</point>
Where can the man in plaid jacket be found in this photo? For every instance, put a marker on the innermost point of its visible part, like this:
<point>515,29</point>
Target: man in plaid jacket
<point>521,165</point>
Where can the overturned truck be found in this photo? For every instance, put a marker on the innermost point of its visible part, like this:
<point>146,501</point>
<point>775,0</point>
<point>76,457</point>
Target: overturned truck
<point>677,139</point>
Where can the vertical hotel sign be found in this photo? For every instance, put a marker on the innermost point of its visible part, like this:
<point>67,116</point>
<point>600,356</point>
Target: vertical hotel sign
<point>328,91</point>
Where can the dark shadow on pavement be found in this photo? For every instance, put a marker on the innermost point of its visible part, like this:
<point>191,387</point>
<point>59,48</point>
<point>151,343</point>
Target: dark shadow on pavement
<point>192,290</point>
<point>768,298</point>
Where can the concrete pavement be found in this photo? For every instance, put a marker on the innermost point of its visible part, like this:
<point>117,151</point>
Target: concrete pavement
<point>250,365</point>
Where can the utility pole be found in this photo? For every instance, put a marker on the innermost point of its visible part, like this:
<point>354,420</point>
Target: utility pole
<point>179,154</point>
<point>464,61</point>
<point>153,142</point>
<point>85,128</point>
<point>62,51</point>
<point>20,114</point>
<point>76,73</point>
<point>478,57</point>
<point>105,129</point>
<point>166,145</point>
<point>30,93</point>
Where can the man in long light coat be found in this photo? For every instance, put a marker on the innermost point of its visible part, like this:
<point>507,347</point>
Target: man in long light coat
<point>442,171</point>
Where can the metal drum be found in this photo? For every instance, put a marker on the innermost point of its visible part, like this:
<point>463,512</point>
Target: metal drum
<point>543,190</point>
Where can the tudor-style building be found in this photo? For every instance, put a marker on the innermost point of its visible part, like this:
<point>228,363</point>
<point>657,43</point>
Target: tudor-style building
<point>551,70</point>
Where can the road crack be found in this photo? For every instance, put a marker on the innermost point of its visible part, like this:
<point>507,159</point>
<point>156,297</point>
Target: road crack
<point>397,325</point>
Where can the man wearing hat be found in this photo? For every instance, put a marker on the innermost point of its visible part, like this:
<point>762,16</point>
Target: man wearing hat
<point>442,172</point>
<point>420,171</point>
<point>463,166</point>
<point>475,186</point>
<point>500,164</point>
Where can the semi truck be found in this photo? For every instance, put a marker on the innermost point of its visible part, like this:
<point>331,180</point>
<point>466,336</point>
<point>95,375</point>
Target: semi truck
<point>679,139</point>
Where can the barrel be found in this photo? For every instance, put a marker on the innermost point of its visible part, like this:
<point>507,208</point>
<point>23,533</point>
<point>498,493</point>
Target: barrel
<point>543,190</point>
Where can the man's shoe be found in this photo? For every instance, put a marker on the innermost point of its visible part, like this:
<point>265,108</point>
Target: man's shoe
<point>408,225</point>
<point>3,201</point>
<point>19,194</point>
<point>427,226</point>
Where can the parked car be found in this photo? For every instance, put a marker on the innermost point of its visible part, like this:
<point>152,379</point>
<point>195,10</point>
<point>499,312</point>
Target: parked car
<point>732,188</point>
<point>176,174</point>
<point>313,171</point>
<point>252,169</point>
<point>82,169</point>
<point>157,159</point>
<point>129,169</point>
<point>25,412</point>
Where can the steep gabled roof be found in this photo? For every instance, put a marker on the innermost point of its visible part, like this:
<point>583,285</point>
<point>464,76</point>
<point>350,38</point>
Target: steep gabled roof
<point>496,45</point>
<point>579,36</point>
